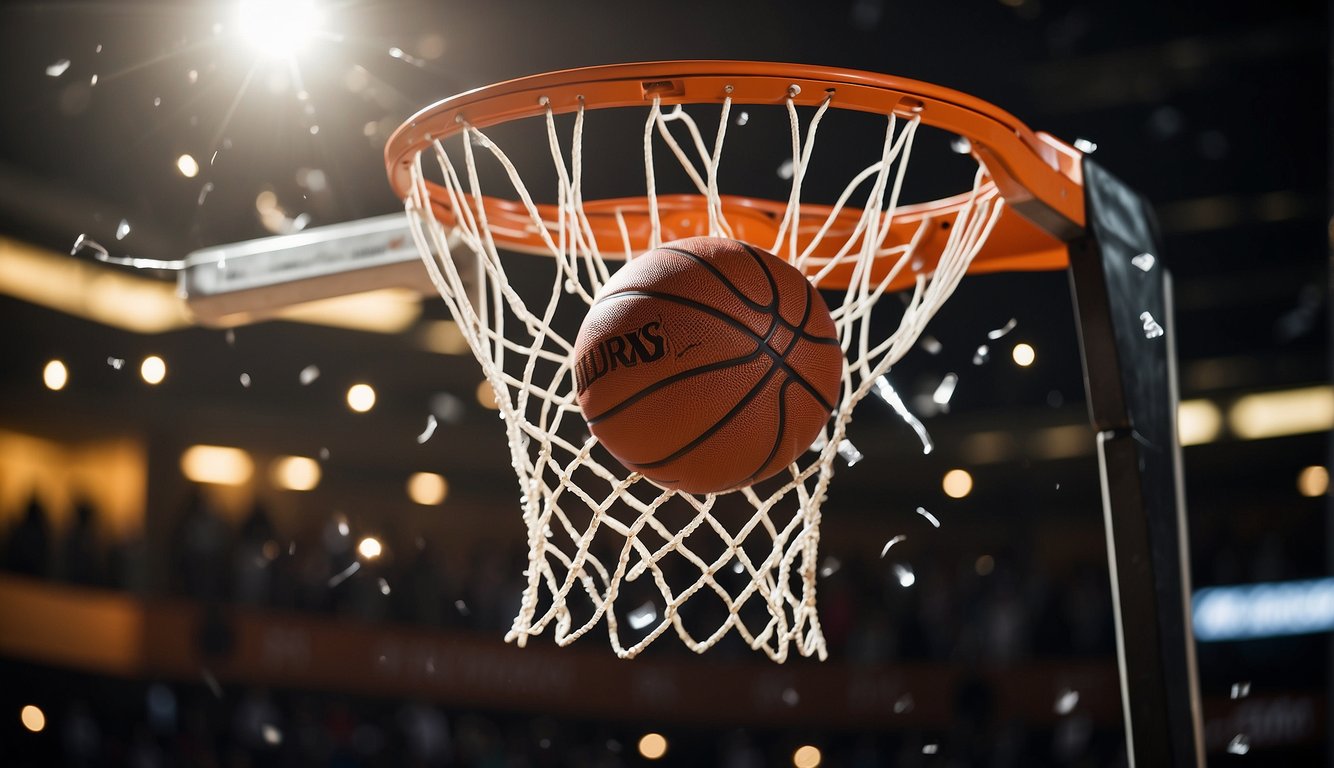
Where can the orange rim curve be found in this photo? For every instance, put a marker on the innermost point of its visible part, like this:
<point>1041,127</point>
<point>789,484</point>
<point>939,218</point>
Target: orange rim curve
<point>1038,175</point>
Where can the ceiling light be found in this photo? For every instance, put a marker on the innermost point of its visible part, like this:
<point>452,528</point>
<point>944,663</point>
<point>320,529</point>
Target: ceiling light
<point>652,746</point>
<point>1278,414</point>
<point>55,375</point>
<point>188,166</point>
<point>957,483</point>
<point>361,397</point>
<point>295,473</point>
<point>427,488</point>
<point>279,27</point>
<point>369,548</point>
<point>1198,421</point>
<point>153,369</point>
<point>1023,355</point>
<point>216,464</point>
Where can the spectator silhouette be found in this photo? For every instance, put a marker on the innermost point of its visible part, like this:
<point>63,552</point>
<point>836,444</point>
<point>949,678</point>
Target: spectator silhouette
<point>200,549</point>
<point>29,548</point>
<point>81,557</point>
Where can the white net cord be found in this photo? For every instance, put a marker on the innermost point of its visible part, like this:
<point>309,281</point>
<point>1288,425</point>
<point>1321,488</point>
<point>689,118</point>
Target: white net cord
<point>597,532</point>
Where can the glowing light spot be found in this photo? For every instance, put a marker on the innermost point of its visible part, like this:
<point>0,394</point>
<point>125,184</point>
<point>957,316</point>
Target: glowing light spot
<point>652,746</point>
<point>1278,414</point>
<point>153,369</point>
<point>57,69</point>
<point>370,548</point>
<point>279,27</point>
<point>188,166</point>
<point>34,719</point>
<point>1065,702</point>
<point>1313,481</point>
<point>361,397</point>
<point>642,616</point>
<point>806,756</point>
<point>216,464</point>
<point>1198,422</point>
<point>1023,355</point>
<point>55,375</point>
<point>957,483</point>
<point>295,473</point>
<point>427,488</point>
<point>905,575</point>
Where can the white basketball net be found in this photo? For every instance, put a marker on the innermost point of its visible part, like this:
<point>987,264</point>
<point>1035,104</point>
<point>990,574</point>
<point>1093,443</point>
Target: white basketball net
<point>761,571</point>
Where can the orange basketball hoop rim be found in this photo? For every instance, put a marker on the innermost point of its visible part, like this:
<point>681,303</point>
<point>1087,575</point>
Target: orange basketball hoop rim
<point>1038,176</point>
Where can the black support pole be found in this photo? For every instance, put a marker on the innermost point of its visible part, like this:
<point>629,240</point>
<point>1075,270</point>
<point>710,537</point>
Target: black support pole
<point>1122,295</point>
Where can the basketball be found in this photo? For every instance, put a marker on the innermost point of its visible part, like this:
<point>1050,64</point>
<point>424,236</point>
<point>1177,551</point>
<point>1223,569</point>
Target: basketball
<point>707,365</point>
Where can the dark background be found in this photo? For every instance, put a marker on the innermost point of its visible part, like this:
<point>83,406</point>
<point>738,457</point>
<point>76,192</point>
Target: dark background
<point>1217,113</point>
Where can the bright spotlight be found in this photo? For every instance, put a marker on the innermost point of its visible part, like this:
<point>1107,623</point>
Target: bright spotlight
<point>1023,354</point>
<point>153,369</point>
<point>361,397</point>
<point>427,488</point>
<point>279,27</point>
<point>55,375</point>
<point>652,746</point>
<point>34,719</point>
<point>369,548</point>
<point>807,756</point>
<point>188,166</point>
<point>957,483</point>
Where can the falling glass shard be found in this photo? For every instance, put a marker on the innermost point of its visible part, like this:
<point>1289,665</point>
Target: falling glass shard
<point>426,433</point>
<point>786,169</point>
<point>830,566</point>
<point>743,118</point>
<point>1152,329</point>
<point>272,736</point>
<point>903,704</point>
<point>738,567</point>
<point>84,242</point>
<point>211,681</point>
<point>945,390</point>
<point>203,192</point>
<point>930,749</point>
<point>905,575</point>
<point>930,518</point>
<point>1066,701</point>
<point>57,69</point>
<point>961,145</point>
<point>1241,690</point>
<point>1086,146</point>
<point>462,608</point>
<point>982,355</point>
<point>885,549</point>
<point>1144,261</point>
<point>642,616</point>
<point>384,587</point>
<point>1240,745</point>
<point>886,392</point>
<point>308,374</point>
<point>791,697</point>
<point>345,574</point>
<point>122,229</point>
<point>116,362</point>
<point>849,452</point>
<point>930,345</point>
<point>1004,329</point>
<point>245,380</point>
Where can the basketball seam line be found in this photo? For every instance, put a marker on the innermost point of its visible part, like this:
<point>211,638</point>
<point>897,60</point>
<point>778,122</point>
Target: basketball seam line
<point>755,305</point>
<point>679,376</point>
<point>722,421</point>
<point>778,434</point>
<point>779,360</point>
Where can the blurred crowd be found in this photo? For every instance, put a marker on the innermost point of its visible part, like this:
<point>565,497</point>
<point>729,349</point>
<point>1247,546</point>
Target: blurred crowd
<point>1011,609</point>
